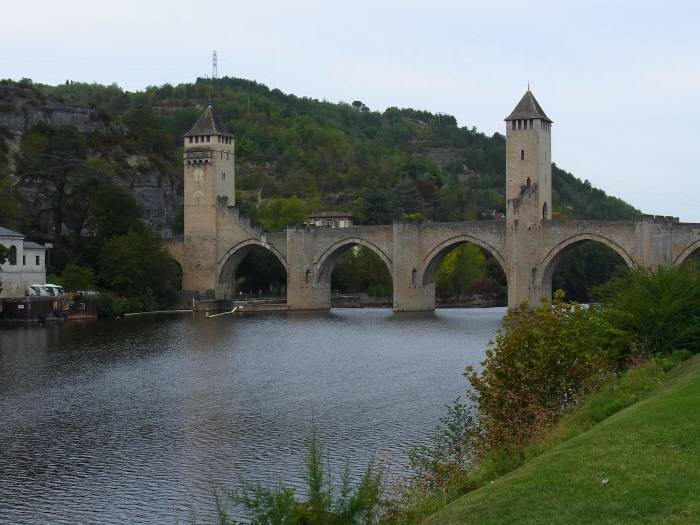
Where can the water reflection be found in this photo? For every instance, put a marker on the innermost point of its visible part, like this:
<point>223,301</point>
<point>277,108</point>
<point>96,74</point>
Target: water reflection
<point>133,420</point>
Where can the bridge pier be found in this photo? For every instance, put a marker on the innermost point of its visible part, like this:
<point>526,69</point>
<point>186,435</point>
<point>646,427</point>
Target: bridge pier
<point>411,293</point>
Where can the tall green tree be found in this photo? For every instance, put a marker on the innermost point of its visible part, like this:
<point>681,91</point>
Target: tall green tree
<point>277,214</point>
<point>4,254</point>
<point>52,162</point>
<point>136,264</point>
<point>374,203</point>
<point>459,270</point>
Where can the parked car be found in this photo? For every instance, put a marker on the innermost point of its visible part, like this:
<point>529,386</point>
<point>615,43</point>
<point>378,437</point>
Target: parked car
<point>45,290</point>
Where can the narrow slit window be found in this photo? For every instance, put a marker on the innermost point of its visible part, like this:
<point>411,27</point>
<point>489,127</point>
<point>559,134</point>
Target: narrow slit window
<point>522,154</point>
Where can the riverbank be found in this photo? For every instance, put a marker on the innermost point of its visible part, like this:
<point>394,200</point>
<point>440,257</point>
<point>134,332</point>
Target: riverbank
<point>640,465</point>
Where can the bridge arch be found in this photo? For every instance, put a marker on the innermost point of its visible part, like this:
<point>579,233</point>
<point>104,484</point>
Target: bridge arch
<point>227,265</point>
<point>435,256</point>
<point>552,258</point>
<point>326,261</point>
<point>687,253</point>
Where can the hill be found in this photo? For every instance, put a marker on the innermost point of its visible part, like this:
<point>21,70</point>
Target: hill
<point>638,466</point>
<point>332,155</point>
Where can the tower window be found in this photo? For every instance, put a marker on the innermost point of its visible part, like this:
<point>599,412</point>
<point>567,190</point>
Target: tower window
<point>522,154</point>
<point>223,176</point>
<point>208,137</point>
<point>544,211</point>
<point>196,139</point>
<point>38,261</point>
<point>24,260</point>
<point>530,123</point>
<point>513,122</point>
<point>190,140</point>
<point>528,182</point>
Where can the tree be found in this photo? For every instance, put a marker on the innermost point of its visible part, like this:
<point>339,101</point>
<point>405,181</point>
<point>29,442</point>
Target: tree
<point>261,271</point>
<point>4,254</point>
<point>361,270</point>
<point>374,203</point>
<point>52,162</point>
<point>76,278</point>
<point>659,310</point>
<point>277,214</point>
<point>137,265</point>
<point>404,198</point>
<point>113,211</point>
<point>459,270</point>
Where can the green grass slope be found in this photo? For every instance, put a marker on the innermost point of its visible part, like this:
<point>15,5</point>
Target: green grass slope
<point>641,465</point>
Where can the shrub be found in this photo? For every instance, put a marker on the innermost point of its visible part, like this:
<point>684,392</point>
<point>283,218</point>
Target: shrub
<point>324,504</point>
<point>76,278</point>
<point>109,305</point>
<point>541,361</point>
<point>449,453</point>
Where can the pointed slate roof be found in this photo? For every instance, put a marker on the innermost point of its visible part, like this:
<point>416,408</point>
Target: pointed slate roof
<point>528,108</point>
<point>208,123</point>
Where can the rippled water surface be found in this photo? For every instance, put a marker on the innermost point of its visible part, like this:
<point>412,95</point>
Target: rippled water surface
<point>135,420</point>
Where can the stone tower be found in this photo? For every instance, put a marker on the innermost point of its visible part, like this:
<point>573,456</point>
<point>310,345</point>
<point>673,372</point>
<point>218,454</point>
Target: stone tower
<point>209,177</point>
<point>528,194</point>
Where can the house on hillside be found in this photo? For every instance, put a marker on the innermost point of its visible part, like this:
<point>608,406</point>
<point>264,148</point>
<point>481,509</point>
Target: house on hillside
<point>26,264</point>
<point>331,219</point>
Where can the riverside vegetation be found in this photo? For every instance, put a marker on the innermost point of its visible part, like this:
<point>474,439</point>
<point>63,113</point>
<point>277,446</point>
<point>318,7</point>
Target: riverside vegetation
<point>294,155</point>
<point>537,442</point>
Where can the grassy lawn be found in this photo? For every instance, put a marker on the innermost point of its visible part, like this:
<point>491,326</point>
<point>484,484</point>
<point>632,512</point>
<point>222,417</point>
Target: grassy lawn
<point>641,465</point>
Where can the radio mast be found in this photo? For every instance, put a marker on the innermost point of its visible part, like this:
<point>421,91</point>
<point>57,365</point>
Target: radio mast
<point>214,70</point>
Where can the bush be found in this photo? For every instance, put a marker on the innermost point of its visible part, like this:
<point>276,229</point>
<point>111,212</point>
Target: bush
<point>541,361</point>
<point>449,454</point>
<point>76,278</point>
<point>659,310</point>
<point>110,306</point>
<point>324,504</point>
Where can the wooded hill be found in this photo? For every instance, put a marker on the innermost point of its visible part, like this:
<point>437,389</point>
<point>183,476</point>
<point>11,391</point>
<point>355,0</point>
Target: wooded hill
<point>380,166</point>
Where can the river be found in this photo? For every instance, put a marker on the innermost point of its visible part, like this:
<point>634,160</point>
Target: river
<point>137,420</point>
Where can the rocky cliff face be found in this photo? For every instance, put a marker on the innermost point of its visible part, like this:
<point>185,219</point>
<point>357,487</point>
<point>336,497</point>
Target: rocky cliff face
<point>22,106</point>
<point>156,188</point>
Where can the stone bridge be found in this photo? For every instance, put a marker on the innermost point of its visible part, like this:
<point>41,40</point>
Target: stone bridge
<point>413,251</point>
<point>528,244</point>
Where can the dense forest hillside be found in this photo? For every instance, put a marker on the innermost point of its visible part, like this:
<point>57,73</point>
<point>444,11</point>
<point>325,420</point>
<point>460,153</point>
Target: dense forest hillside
<point>65,149</point>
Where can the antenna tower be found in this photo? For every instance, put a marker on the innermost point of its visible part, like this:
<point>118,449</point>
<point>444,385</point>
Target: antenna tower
<point>214,70</point>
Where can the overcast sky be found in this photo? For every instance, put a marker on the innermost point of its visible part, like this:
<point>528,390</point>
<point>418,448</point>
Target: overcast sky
<point>621,80</point>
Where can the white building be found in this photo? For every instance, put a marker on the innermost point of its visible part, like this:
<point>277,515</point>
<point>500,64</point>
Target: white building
<point>26,264</point>
<point>331,219</point>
